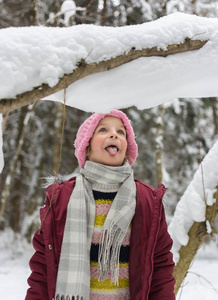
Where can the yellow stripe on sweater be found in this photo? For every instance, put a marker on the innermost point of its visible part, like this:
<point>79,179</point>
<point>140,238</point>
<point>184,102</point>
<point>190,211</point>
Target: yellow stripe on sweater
<point>99,221</point>
<point>106,285</point>
<point>102,201</point>
<point>121,265</point>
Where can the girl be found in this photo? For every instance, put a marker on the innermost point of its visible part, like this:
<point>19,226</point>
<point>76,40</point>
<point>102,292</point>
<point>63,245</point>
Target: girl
<point>103,234</point>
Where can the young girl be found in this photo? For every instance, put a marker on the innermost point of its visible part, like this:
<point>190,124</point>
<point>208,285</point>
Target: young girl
<point>103,234</point>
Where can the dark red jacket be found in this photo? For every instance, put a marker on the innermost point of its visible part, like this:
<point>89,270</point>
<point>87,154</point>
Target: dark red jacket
<point>150,261</point>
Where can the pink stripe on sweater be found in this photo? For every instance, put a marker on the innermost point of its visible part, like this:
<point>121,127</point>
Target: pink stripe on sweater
<point>96,238</point>
<point>119,296</point>
<point>123,272</point>
<point>102,209</point>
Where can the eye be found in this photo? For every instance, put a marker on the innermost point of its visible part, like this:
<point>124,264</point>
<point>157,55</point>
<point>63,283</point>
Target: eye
<point>121,132</point>
<point>103,129</point>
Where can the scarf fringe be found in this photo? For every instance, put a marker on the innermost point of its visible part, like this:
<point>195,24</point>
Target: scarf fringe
<point>62,297</point>
<point>109,252</point>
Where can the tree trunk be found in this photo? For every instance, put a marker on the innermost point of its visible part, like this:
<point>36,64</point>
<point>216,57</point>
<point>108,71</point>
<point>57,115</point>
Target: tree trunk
<point>215,118</point>
<point>159,144</point>
<point>57,135</point>
<point>103,13</point>
<point>85,69</point>
<point>197,233</point>
<point>13,163</point>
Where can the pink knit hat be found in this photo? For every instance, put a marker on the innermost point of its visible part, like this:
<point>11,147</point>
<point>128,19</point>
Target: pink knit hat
<point>87,129</point>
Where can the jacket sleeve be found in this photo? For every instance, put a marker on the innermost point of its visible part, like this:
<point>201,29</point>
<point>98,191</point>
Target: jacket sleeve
<point>162,284</point>
<point>38,278</point>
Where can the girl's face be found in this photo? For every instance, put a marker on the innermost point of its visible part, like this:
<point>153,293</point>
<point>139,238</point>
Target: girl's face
<point>108,145</point>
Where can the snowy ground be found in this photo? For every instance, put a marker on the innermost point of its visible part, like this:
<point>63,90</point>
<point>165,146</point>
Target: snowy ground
<point>201,284</point>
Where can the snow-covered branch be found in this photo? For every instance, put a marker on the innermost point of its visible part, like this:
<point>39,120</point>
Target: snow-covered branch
<point>83,69</point>
<point>36,62</point>
<point>197,233</point>
<point>193,218</point>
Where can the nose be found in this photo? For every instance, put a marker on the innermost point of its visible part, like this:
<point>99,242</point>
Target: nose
<point>113,134</point>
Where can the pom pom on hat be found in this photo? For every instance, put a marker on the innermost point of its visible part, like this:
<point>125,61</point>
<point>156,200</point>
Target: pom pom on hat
<point>87,129</point>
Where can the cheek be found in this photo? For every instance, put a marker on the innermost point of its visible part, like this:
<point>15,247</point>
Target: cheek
<point>95,145</point>
<point>125,146</point>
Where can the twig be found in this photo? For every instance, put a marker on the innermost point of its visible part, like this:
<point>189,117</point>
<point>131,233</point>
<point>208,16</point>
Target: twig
<point>5,121</point>
<point>181,287</point>
<point>200,276</point>
<point>197,34</point>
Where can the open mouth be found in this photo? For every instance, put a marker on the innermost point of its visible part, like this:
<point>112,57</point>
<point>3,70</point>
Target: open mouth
<point>112,149</point>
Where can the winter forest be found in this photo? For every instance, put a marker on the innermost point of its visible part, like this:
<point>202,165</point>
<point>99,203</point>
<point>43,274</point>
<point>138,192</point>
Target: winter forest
<point>176,132</point>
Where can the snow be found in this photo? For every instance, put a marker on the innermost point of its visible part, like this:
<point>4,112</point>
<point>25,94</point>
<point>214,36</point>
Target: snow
<point>68,8</point>
<point>191,206</point>
<point>14,270</point>
<point>201,282</point>
<point>209,229</point>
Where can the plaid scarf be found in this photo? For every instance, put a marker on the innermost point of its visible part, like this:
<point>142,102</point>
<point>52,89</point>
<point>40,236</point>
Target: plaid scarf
<point>73,278</point>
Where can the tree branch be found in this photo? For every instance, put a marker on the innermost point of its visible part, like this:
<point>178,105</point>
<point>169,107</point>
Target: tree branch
<point>197,233</point>
<point>85,69</point>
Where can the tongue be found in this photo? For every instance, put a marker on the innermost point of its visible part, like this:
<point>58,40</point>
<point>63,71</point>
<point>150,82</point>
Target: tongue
<point>112,150</point>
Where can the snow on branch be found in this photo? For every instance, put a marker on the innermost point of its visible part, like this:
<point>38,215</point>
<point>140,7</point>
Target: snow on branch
<point>192,207</point>
<point>36,62</point>
<point>194,214</point>
<point>197,233</point>
<point>83,69</point>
